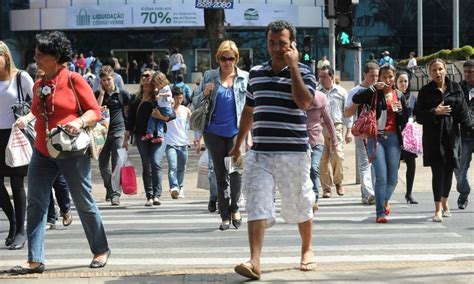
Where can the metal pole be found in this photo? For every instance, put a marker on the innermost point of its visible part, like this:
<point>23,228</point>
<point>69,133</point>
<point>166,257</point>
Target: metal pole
<point>332,36</point>
<point>420,28</point>
<point>455,23</point>
<point>357,81</point>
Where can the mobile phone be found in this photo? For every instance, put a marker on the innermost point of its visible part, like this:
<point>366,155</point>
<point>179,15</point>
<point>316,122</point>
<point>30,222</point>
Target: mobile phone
<point>293,44</point>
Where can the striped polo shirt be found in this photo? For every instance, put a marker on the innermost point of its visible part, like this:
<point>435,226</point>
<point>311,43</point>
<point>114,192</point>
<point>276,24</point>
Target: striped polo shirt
<point>278,124</point>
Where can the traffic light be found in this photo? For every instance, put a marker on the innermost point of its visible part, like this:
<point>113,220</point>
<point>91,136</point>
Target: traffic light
<point>306,54</point>
<point>344,23</point>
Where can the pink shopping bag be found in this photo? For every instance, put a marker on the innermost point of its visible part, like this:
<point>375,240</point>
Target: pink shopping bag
<point>128,179</point>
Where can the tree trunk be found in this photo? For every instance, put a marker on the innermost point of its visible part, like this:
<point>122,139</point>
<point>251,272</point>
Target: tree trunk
<point>214,22</point>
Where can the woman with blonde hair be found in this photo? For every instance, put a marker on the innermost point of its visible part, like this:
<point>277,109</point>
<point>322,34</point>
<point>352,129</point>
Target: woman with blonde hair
<point>226,86</point>
<point>13,84</point>
<point>441,109</point>
<point>151,154</point>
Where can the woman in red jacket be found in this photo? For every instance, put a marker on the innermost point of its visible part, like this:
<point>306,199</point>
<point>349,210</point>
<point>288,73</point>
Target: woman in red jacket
<point>54,103</point>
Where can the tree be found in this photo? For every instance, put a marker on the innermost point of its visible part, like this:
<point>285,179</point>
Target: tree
<point>214,20</point>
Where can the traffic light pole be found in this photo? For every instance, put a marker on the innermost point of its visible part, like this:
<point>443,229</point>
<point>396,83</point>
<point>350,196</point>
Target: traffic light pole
<point>332,34</point>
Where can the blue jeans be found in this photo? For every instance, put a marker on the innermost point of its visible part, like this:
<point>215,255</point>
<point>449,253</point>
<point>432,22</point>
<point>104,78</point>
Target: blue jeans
<point>42,173</point>
<point>316,153</point>
<point>61,191</point>
<point>177,158</point>
<point>462,178</point>
<point>157,125</point>
<point>212,179</point>
<point>151,155</point>
<point>385,164</point>
<point>111,146</point>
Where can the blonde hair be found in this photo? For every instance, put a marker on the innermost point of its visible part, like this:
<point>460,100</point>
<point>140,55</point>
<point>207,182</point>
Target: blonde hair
<point>436,60</point>
<point>9,63</point>
<point>227,45</point>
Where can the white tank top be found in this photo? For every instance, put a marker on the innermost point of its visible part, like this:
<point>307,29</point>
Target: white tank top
<point>9,96</point>
<point>177,134</point>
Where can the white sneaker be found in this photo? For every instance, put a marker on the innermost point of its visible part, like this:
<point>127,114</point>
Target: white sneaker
<point>181,193</point>
<point>174,193</point>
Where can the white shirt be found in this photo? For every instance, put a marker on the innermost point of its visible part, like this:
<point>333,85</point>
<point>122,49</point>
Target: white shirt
<point>165,101</point>
<point>337,97</point>
<point>177,134</point>
<point>9,96</point>
<point>411,63</point>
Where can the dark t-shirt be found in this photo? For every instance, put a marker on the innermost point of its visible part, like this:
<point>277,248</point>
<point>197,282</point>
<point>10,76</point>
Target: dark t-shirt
<point>115,106</point>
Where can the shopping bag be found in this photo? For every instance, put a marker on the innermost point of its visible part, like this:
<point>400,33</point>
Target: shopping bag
<point>128,178</point>
<point>121,159</point>
<point>18,152</point>
<point>412,138</point>
<point>203,171</point>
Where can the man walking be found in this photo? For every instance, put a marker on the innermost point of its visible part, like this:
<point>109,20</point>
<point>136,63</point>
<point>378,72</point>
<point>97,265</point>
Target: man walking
<point>114,102</point>
<point>331,162</point>
<point>278,93</point>
<point>371,75</point>
<point>467,138</point>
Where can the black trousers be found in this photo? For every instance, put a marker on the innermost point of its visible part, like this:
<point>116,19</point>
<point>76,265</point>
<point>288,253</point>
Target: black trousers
<point>441,181</point>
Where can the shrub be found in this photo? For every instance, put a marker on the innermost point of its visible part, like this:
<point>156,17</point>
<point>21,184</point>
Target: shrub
<point>466,51</point>
<point>444,54</point>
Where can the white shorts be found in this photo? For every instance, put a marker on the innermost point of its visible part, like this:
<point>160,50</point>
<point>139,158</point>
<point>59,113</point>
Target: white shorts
<point>289,172</point>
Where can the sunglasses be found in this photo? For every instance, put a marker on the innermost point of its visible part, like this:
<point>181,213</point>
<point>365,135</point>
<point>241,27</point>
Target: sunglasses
<point>145,75</point>
<point>224,59</point>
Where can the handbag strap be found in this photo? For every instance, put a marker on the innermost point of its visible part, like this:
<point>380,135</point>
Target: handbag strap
<point>21,97</point>
<point>372,107</point>
<point>75,94</point>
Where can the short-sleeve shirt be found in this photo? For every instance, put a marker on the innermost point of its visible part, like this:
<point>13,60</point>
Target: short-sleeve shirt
<point>278,124</point>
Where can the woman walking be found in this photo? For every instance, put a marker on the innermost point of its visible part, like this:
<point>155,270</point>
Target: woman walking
<point>226,87</point>
<point>151,154</point>
<point>13,84</point>
<point>409,158</point>
<point>392,114</point>
<point>441,109</point>
<point>55,103</point>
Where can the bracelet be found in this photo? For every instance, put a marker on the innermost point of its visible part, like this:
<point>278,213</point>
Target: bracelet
<point>83,122</point>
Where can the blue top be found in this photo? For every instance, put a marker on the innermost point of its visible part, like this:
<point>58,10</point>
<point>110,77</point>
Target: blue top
<point>224,118</point>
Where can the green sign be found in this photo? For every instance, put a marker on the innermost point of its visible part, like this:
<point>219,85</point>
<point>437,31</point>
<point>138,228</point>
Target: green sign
<point>344,38</point>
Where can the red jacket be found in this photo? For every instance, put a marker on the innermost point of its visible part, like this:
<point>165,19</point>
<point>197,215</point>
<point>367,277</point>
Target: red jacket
<point>65,105</point>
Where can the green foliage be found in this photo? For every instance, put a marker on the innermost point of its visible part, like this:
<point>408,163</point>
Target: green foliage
<point>446,54</point>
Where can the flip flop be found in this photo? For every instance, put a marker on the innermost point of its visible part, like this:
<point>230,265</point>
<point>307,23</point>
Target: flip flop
<point>247,270</point>
<point>308,266</point>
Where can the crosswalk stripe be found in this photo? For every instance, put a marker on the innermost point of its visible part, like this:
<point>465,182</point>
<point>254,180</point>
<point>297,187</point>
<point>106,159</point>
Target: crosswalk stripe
<point>190,261</point>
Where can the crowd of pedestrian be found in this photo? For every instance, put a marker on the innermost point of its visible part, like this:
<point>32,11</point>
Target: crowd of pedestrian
<point>296,127</point>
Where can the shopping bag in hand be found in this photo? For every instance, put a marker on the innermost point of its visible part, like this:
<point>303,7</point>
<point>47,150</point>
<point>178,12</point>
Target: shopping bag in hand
<point>18,151</point>
<point>121,159</point>
<point>128,179</point>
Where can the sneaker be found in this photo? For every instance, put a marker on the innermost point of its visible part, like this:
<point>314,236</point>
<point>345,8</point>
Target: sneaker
<point>108,198</point>
<point>211,206</point>
<point>371,199</point>
<point>340,190</point>
<point>181,193</point>
<point>156,201</point>
<point>462,203</point>
<point>149,202</point>
<point>50,226</point>
<point>326,193</point>
<point>115,201</point>
<point>174,193</point>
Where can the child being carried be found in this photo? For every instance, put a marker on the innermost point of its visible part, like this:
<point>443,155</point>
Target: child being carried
<point>156,127</point>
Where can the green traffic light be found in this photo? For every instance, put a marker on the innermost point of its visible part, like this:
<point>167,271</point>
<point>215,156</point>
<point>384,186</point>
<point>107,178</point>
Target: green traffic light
<point>344,38</point>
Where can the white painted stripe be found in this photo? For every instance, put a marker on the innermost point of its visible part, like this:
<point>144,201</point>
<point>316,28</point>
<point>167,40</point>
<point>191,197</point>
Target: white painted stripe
<point>225,236</point>
<point>266,249</point>
<point>199,261</point>
<point>317,228</point>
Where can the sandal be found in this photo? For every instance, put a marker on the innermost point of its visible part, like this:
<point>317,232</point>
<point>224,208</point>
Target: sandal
<point>308,266</point>
<point>67,218</point>
<point>247,270</point>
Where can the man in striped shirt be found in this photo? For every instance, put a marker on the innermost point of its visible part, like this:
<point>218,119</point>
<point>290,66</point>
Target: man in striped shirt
<point>278,93</point>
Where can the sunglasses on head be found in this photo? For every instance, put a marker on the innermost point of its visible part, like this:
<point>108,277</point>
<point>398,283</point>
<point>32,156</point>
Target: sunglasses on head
<point>146,75</point>
<point>224,59</point>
